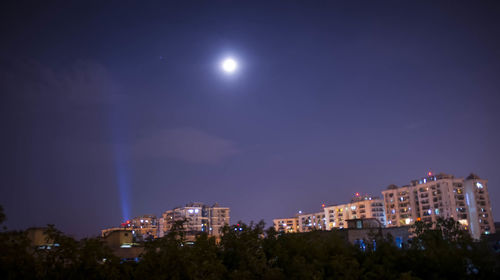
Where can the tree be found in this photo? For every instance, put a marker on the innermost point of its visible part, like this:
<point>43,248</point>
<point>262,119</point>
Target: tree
<point>445,250</point>
<point>2,215</point>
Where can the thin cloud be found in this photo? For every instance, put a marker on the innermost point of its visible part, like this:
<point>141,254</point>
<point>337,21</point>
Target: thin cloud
<point>82,83</point>
<point>187,144</point>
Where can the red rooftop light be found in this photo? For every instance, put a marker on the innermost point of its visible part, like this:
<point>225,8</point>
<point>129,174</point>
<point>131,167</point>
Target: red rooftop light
<point>430,173</point>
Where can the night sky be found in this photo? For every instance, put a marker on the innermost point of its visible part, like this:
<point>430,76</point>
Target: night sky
<point>109,111</point>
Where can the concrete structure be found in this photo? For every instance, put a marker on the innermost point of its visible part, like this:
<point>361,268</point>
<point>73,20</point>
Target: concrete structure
<point>195,218</point>
<point>141,228</point>
<point>122,243</point>
<point>105,232</point>
<point>361,232</point>
<point>361,207</point>
<point>145,226</point>
<point>288,225</point>
<point>442,195</point>
<point>312,221</point>
<point>39,239</point>
<point>335,216</point>
<point>118,238</point>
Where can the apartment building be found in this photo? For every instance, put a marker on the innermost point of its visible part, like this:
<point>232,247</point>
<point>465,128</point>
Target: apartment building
<point>360,207</point>
<point>145,226</point>
<point>288,225</point>
<point>195,218</point>
<point>334,216</point>
<point>312,221</point>
<point>442,195</point>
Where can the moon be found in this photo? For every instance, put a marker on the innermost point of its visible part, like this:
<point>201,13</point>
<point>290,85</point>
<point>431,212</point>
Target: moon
<point>229,65</point>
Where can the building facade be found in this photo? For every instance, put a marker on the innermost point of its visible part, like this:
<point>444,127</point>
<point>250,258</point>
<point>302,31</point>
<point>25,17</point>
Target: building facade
<point>312,221</point>
<point>195,218</point>
<point>288,225</point>
<point>335,216</point>
<point>145,226</point>
<point>361,207</point>
<point>361,232</point>
<point>442,195</point>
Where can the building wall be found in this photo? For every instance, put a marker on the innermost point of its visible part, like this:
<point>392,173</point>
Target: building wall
<point>37,237</point>
<point>400,235</point>
<point>365,207</point>
<point>196,218</point>
<point>144,226</point>
<point>288,225</point>
<point>335,216</point>
<point>311,221</point>
<point>118,237</point>
<point>218,218</point>
<point>441,195</point>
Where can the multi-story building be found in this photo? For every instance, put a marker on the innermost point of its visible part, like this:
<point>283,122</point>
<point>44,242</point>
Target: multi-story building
<point>145,226</point>
<point>442,195</point>
<point>335,216</point>
<point>361,207</point>
<point>312,221</point>
<point>141,228</point>
<point>288,225</point>
<point>195,218</point>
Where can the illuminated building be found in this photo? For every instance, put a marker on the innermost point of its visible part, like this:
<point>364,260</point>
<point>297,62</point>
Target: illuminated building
<point>312,221</point>
<point>301,223</point>
<point>334,216</point>
<point>141,228</point>
<point>288,225</point>
<point>195,218</point>
<point>361,207</point>
<point>145,226</point>
<point>441,195</point>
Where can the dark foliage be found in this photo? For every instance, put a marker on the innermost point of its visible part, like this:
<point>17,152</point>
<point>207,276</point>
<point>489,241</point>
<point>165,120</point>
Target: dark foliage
<point>251,252</point>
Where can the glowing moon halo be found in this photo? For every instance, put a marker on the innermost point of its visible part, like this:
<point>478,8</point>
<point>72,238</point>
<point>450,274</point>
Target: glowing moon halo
<point>229,65</point>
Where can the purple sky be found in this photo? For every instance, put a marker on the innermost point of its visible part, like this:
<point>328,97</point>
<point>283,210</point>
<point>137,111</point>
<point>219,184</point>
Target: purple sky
<point>119,109</point>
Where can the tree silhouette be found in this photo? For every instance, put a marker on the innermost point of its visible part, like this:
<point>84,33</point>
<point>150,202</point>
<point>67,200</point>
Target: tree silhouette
<point>442,250</point>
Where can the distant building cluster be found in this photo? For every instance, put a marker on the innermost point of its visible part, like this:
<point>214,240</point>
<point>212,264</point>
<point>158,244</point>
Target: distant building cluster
<point>192,219</point>
<point>426,199</point>
<point>334,216</point>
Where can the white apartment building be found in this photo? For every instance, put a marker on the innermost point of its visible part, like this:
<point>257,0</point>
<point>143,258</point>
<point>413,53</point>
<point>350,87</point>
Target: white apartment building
<point>196,218</point>
<point>442,195</point>
<point>335,216</point>
<point>312,221</point>
<point>361,207</point>
<point>288,225</point>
